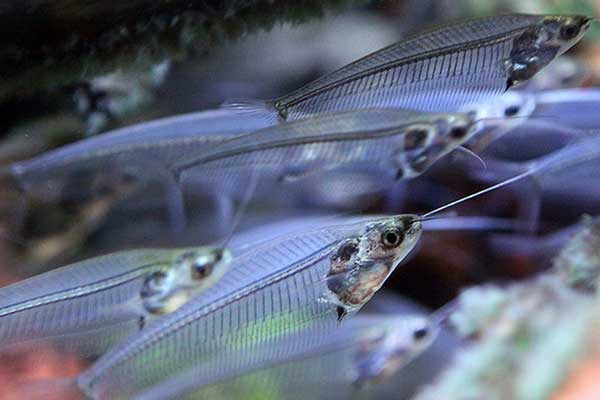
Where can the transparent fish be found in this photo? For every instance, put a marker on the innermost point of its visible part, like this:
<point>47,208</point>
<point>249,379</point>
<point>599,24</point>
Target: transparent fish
<point>90,305</point>
<point>311,363</point>
<point>540,249</point>
<point>309,278</point>
<point>533,138</point>
<point>130,156</point>
<point>437,70</point>
<point>523,113</point>
<point>574,164</point>
<point>407,381</point>
<point>568,174</point>
<point>577,108</point>
<point>385,143</point>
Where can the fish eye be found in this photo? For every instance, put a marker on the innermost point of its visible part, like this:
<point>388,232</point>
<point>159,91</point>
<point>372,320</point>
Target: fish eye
<point>458,132</point>
<point>511,111</point>
<point>201,270</point>
<point>569,31</point>
<point>415,138</point>
<point>420,333</point>
<point>392,238</point>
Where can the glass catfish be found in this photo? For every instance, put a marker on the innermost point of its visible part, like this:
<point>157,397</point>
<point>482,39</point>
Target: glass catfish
<point>438,70</point>
<point>387,144</point>
<point>308,278</point>
<point>310,363</point>
<point>90,305</point>
<point>129,157</point>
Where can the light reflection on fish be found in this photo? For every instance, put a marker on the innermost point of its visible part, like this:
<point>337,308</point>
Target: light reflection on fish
<point>92,304</point>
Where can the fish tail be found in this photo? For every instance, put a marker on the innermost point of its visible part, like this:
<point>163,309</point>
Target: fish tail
<point>263,108</point>
<point>48,389</point>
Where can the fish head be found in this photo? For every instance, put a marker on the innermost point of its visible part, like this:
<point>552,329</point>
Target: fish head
<point>386,348</point>
<point>537,46</point>
<point>390,239</point>
<point>360,265</point>
<point>426,143</point>
<point>563,31</point>
<point>192,271</point>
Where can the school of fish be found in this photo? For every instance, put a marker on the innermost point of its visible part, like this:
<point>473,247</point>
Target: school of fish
<point>269,311</point>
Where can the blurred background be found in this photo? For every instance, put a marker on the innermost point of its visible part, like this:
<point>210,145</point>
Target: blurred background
<point>71,70</point>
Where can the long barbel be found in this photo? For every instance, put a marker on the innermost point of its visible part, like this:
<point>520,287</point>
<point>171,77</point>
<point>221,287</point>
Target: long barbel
<point>437,70</point>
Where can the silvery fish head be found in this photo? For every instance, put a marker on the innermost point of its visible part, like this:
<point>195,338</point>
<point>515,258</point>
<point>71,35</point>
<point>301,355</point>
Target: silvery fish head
<point>538,46</point>
<point>388,347</point>
<point>192,271</point>
<point>359,266</point>
<point>563,31</point>
<point>426,142</point>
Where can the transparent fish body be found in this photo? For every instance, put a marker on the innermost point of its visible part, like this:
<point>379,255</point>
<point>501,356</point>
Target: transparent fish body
<point>569,173</point>
<point>536,247</point>
<point>441,69</point>
<point>576,108</point>
<point>390,143</point>
<point>131,160</point>
<point>312,363</point>
<point>90,305</point>
<point>533,138</point>
<point>153,146</point>
<point>274,288</point>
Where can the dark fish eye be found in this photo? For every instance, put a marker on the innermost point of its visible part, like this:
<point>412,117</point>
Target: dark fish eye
<point>569,31</point>
<point>201,271</point>
<point>511,111</point>
<point>420,333</point>
<point>415,138</point>
<point>392,238</point>
<point>458,132</point>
